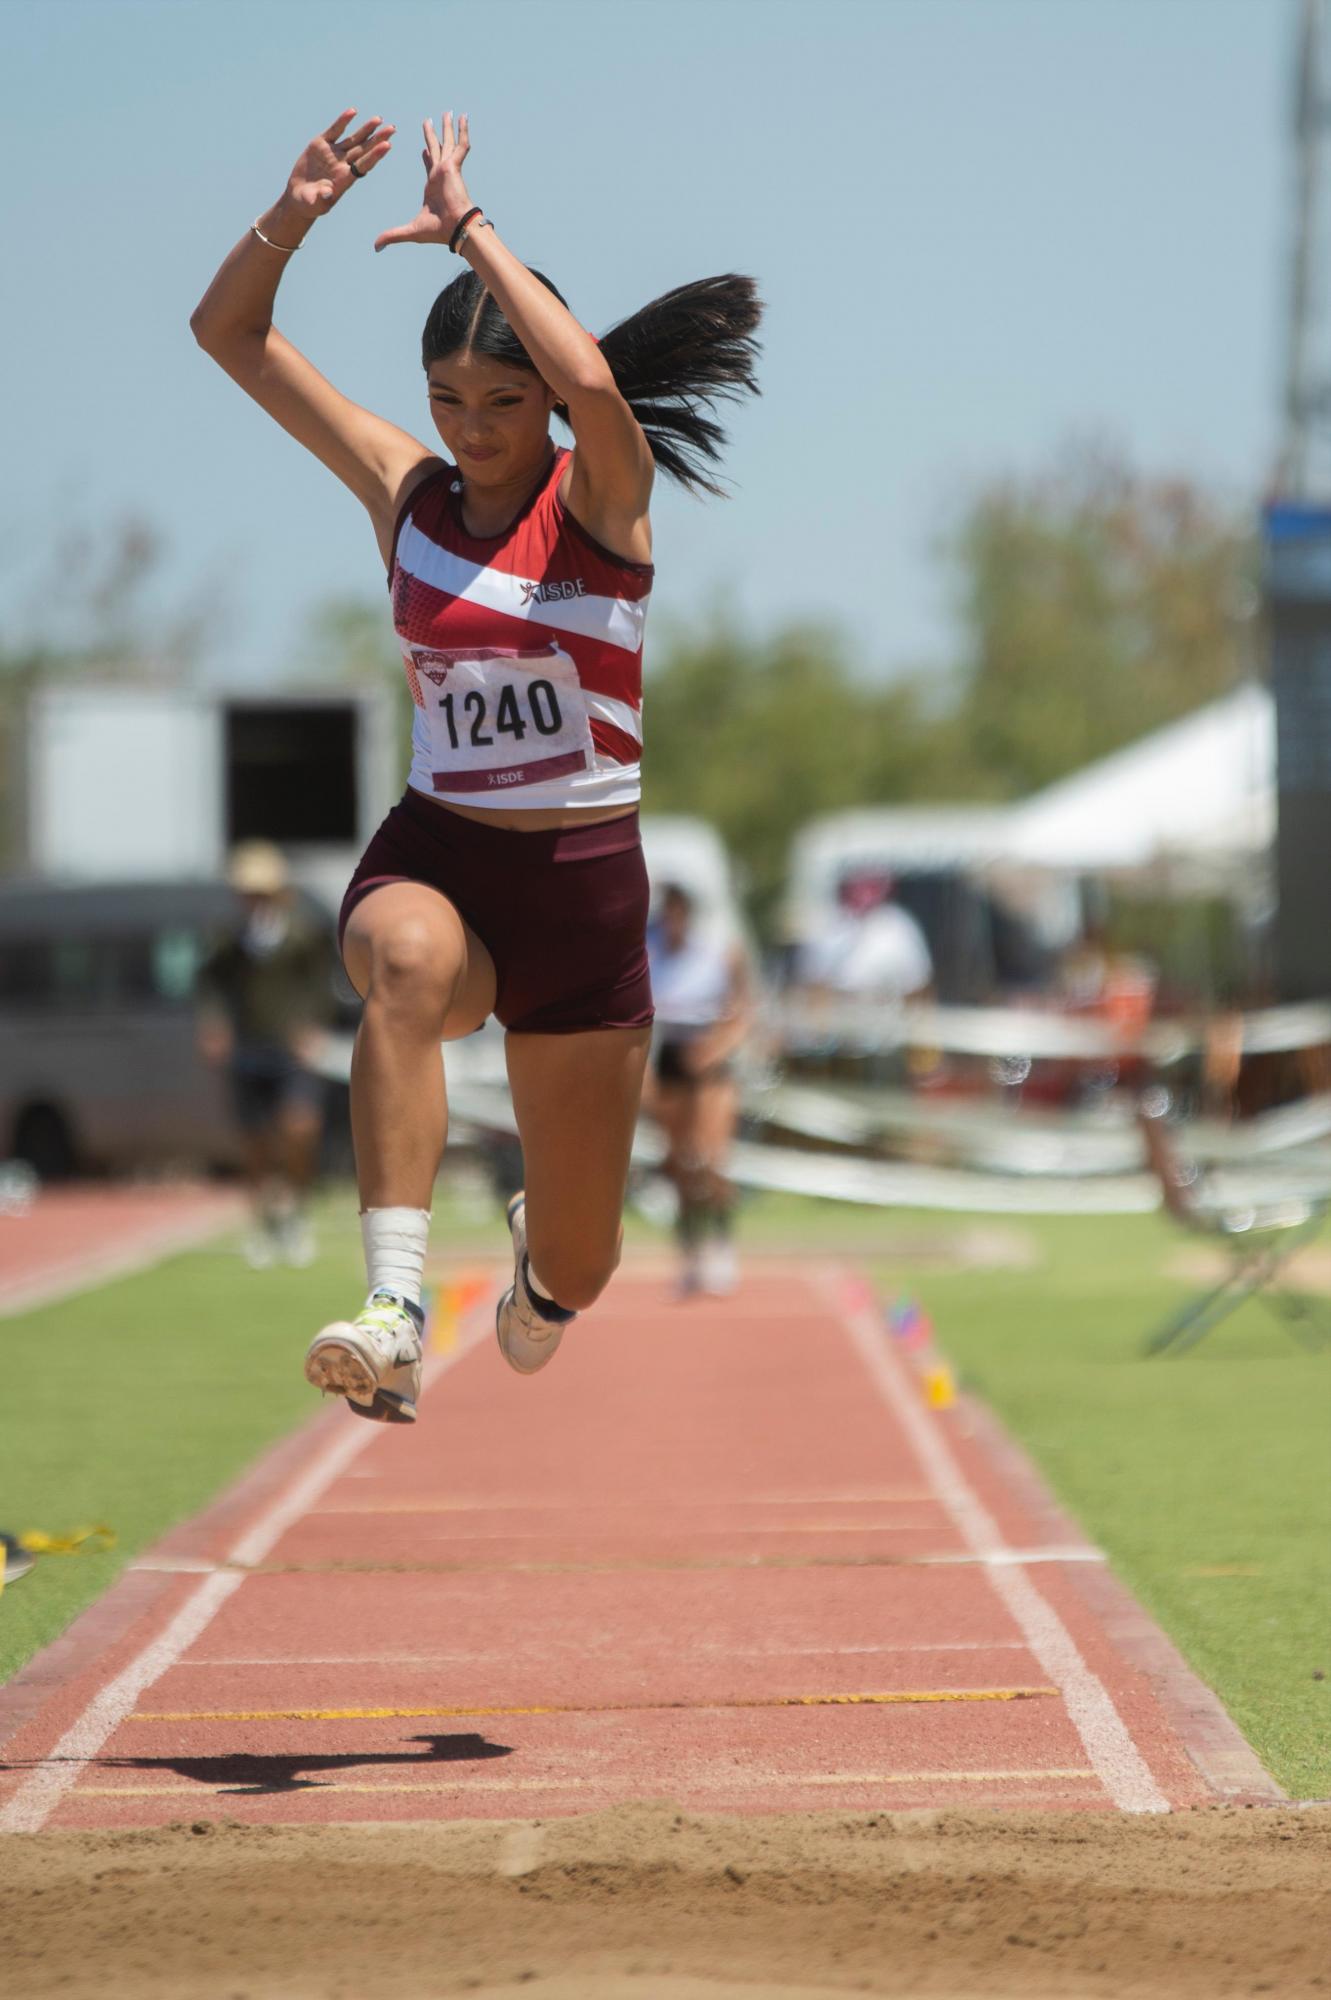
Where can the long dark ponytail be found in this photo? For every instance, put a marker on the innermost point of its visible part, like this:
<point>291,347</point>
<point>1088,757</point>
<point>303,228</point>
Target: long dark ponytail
<point>673,361</point>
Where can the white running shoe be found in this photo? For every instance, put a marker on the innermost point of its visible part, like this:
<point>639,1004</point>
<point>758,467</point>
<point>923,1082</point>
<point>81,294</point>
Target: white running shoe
<point>297,1241</point>
<point>259,1246</point>
<point>373,1360</point>
<point>527,1338</point>
<point>719,1269</point>
<point>688,1278</point>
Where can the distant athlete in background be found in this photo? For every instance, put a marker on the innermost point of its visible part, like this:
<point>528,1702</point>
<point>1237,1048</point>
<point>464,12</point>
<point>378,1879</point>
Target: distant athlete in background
<point>703,990</point>
<point>265,1002</point>
<point>509,879</point>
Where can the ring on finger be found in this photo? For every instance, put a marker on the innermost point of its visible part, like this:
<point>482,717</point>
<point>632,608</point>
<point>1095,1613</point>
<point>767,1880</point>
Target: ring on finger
<point>359,172</point>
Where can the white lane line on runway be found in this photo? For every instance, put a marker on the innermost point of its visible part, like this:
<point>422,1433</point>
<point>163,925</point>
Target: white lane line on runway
<point>732,1781</point>
<point>62,1279</point>
<point>831,1651</point>
<point>30,1806</point>
<point>1020,1558</point>
<point>1104,1735</point>
<point>462,1537</point>
<point>642,1558</point>
<point>430,1503</point>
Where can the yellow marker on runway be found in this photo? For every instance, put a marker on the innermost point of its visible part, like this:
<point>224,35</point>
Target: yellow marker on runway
<point>940,1388</point>
<point>451,1302</point>
<point>586,1708</point>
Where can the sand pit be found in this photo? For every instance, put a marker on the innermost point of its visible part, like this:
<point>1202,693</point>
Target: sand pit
<point>644,1903</point>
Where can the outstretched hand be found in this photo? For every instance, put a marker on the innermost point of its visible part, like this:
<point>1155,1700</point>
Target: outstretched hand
<point>332,162</point>
<point>445,200</point>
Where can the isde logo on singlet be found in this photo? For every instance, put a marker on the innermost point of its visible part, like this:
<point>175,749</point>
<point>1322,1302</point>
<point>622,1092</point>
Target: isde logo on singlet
<point>549,593</point>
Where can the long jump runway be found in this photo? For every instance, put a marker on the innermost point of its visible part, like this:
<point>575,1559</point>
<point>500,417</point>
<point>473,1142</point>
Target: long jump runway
<point>720,1553</point>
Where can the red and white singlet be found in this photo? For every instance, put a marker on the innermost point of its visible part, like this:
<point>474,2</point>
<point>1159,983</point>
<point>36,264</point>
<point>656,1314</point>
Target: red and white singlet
<point>523,653</point>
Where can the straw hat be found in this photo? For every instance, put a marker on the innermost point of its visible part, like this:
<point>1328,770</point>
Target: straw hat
<point>257,868</point>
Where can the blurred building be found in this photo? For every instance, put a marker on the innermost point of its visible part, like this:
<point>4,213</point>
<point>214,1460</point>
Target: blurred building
<point>1184,819</point>
<point>131,784</point>
<point>131,799</point>
<point>1199,794</point>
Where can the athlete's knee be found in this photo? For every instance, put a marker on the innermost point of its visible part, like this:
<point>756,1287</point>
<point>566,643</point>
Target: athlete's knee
<point>575,1275</point>
<point>579,1284</point>
<point>413,969</point>
<point>301,1122</point>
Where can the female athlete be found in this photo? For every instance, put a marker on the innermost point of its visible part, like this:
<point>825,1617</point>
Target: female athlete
<point>703,990</point>
<point>509,879</point>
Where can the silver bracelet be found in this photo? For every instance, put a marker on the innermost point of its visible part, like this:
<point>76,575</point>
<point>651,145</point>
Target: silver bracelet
<point>287,249</point>
<point>480,222</point>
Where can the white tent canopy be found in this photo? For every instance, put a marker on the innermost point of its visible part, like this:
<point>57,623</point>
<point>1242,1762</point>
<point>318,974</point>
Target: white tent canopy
<point>1204,786</point>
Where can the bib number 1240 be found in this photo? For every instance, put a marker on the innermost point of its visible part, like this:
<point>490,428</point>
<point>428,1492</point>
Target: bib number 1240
<point>542,706</point>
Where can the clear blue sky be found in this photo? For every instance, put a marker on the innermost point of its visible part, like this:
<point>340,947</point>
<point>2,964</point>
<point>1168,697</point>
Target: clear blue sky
<point>982,227</point>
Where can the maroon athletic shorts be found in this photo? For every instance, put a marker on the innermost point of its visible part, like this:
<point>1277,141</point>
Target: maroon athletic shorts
<point>562,914</point>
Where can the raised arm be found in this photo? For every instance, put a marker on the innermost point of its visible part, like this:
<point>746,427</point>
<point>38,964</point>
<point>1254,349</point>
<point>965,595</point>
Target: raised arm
<point>613,469</point>
<point>234,323</point>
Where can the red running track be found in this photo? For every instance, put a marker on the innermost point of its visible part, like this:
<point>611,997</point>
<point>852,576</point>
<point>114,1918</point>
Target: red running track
<point>70,1238</point>
<point>719,1553</point>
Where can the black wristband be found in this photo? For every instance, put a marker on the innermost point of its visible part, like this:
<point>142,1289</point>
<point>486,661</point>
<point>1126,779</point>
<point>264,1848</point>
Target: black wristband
<point>470,216</point>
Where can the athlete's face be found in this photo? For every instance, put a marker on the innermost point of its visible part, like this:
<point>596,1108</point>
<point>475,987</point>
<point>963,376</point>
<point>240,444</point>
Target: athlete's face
<point>676,916</point>
<point>494,420</point>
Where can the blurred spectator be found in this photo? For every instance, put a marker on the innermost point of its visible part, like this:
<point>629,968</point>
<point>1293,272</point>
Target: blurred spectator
<point>702,993</point>
<point>1095,977</point>
<point>265,999</point>
<point>870,948</point>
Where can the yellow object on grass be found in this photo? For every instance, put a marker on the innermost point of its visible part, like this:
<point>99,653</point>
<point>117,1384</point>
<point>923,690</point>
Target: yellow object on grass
<point>36,1542</point>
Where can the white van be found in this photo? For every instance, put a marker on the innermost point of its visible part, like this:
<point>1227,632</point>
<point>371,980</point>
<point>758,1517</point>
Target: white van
<point>691,854</point>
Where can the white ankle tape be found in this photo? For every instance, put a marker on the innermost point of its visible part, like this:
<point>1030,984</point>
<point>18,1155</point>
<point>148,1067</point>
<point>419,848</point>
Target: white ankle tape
<point>395,1241</point>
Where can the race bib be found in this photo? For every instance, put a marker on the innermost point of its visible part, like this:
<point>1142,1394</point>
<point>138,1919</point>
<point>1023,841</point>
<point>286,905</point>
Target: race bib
<point>500,719</point>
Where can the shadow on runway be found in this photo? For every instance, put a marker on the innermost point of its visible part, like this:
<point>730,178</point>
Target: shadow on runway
<point>256,1776</point>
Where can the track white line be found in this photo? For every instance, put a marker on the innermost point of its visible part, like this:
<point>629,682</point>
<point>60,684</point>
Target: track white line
<point>694,1784</point>
<point>1105,1737</point>
<point>51,1284</point>
<point>28,1808</point>
<point>431,1661</point>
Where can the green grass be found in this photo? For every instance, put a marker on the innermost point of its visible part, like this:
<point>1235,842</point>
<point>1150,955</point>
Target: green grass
<point>1216,1459</point>
<point>137,1403</point>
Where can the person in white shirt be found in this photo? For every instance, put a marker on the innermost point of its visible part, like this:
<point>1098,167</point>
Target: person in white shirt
<point>702,990</point>
<point>871,948</point>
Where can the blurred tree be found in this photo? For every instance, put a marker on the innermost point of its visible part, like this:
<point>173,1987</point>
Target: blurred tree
<point>759,735</point>
<point>1097,605</point>
<point>349,641</point>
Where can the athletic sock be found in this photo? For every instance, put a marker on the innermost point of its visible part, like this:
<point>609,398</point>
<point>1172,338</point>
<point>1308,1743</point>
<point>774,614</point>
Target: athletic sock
<point>395,1241</point>
<point>536,1292</point>
<point>691,1222</point>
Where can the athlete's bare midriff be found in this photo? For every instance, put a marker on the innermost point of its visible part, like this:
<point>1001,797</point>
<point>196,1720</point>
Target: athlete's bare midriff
<point>542,820</point>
